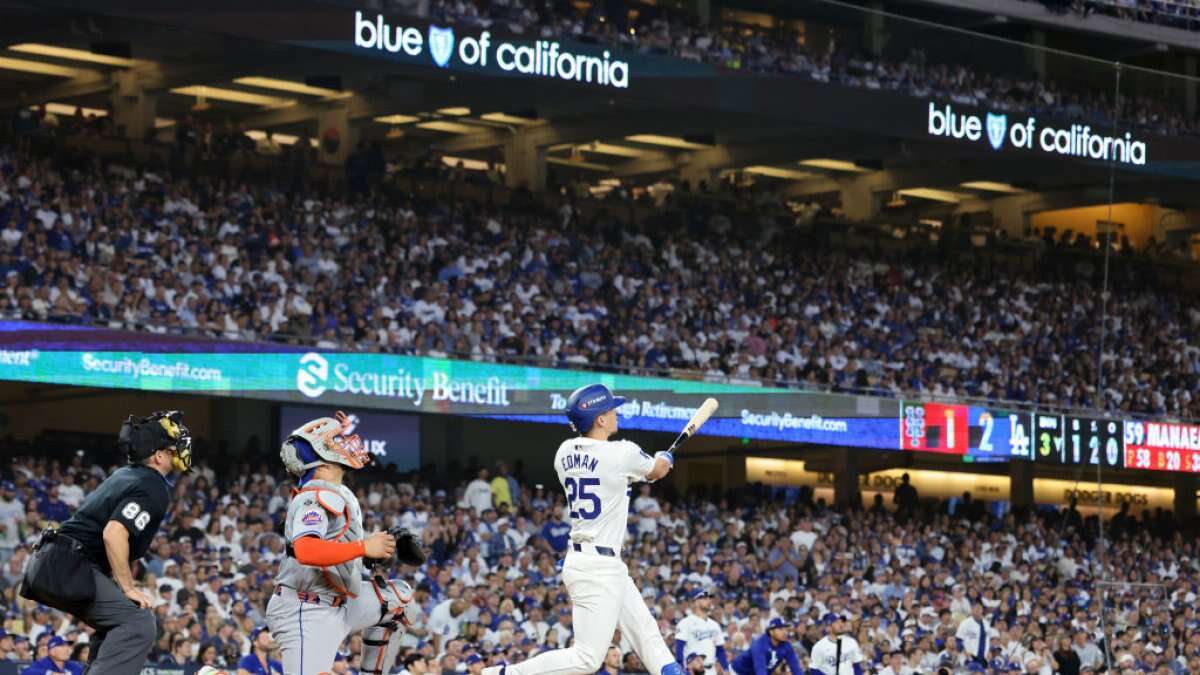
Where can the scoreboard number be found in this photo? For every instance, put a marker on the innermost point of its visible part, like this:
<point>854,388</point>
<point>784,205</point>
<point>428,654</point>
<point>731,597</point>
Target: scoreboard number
<point>1094,442</point>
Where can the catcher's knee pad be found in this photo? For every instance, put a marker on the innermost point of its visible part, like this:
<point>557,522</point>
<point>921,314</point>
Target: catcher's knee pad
<point>396,602</point>
<point>672,668</point>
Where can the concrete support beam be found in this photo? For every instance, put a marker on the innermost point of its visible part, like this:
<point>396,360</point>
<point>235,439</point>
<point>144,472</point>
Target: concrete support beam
<point>134,109</point>
<point>1186,486</point>
<point>1189,84</point>
<point>1020,477</point>
<point>1036,55</point>
<point>334,123</point>
<point>875,34</point>
<point>525,162</point>
<point>845,479</point>
<point>858,198</point>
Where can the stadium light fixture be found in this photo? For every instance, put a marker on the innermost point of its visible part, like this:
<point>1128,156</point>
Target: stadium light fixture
<point>68,54</point>
<point>27,66</point>
<point>68,110</point>
<point>455,111</point>
<point>233,96</point>
<point>934,194</point>
<point>667,141</point>
<point>282,139</point>
<point>397,119</point>
<point>991,186</point>
<point>290,87</point>
<point>834,165</point>
<point>602,149</point>
<point>448,127</point>
<point>777,172</point>
<point>467,163</point>
<point>590,166</point>
<point>505,118</point>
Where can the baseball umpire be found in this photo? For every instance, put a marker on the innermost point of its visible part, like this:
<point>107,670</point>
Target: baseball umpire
<point>83,567</point>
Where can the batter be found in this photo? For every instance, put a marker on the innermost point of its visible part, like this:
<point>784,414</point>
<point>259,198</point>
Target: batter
<point>596,474</point>
<point>323,590</point>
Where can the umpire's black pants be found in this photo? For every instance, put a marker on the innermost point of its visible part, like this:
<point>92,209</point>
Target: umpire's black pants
<point>125,633</point>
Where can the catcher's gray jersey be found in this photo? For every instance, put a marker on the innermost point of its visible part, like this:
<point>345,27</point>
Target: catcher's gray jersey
<point>331,512</point>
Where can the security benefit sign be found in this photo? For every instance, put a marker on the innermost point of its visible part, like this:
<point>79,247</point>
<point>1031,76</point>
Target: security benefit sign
<point>1002,131</point>
<point>488,52</point>
<point>1162,446</point>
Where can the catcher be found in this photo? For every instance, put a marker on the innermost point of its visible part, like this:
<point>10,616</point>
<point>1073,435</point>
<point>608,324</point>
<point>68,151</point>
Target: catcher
<point>332,582</point>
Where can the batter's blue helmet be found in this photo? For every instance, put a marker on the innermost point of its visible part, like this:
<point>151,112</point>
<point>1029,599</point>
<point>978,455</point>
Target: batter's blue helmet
<point>587,403</point>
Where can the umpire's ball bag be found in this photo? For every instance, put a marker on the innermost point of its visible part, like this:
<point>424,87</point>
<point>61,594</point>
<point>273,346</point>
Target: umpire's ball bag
<point>59,573</point>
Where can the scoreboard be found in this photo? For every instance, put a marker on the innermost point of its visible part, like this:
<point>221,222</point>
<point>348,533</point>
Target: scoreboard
<point>1047,437</point>
<point>1093,441</point>
<point>997,435</point>
<point>1078,441</point>
<point>982,433</point>
<point>993,434</point>
<point>1162,446</point>
<point>933,427</point>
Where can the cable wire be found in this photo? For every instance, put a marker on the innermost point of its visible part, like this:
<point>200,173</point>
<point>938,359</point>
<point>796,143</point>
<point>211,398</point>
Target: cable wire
<point>1099,577</point>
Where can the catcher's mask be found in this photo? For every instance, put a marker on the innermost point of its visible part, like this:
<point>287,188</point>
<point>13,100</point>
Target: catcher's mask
<point>162,430</point>
<point>323,440</point>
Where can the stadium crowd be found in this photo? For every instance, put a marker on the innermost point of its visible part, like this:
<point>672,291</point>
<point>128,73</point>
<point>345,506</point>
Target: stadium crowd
<point>926,65</point>
<point>906,580</point>
<point>1183,14</point>
<point>93,241</point>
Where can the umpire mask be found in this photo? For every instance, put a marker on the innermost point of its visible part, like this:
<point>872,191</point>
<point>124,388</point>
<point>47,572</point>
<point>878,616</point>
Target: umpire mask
<point>163,430</point>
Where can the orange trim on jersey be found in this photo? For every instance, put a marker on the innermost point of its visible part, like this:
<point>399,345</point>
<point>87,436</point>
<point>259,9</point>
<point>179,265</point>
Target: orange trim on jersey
<point>317,552</point>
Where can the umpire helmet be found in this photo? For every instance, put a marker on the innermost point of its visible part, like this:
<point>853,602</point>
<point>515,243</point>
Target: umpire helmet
<point>587,403</point>
<point>325,440</point>
<point>142,437</point>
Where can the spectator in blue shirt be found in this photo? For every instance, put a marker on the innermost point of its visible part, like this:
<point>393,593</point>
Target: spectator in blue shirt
<point>57,660</point>
<point>556,533</point>
<point>52,508</point>
<point>768,652</point>
<point>257,662</point>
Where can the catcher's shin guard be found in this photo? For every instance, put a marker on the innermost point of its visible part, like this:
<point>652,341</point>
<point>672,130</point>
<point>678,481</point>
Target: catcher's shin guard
<point>381,644</point>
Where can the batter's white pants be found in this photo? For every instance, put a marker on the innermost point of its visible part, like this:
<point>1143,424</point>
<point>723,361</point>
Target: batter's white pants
<point>603,598</point>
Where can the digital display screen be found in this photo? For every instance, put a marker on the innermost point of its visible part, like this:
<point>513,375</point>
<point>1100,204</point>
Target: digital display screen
<point>998,435</point>
<point>385,391</point>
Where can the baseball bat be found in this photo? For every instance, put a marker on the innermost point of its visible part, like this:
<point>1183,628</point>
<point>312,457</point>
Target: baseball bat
<point>702,414</point>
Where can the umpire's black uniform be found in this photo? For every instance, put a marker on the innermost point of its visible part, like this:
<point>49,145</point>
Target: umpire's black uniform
<point>71,569</point>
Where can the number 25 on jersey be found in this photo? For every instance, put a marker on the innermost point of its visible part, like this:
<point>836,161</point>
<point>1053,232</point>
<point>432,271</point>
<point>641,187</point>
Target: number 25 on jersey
<point>578,494</point>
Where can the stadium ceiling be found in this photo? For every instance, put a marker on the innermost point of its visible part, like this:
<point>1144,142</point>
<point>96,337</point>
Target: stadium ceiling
<point>73,58</point>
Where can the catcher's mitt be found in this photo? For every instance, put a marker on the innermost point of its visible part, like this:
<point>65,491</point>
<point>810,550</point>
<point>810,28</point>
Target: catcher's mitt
<point>408,547</point>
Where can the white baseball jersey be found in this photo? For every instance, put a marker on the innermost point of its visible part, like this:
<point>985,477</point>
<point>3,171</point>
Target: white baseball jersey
<point>700,636</point>
<point>824,655</point>
<point>596,476</point>
<point>974,635</point>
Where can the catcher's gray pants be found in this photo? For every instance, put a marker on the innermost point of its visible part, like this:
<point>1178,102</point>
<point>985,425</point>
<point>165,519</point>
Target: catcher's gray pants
<point>124,632</point>
<point>309,628</point>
